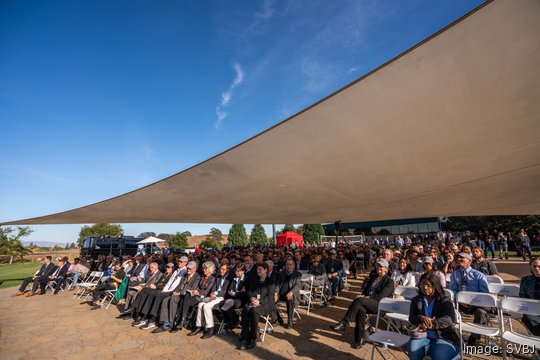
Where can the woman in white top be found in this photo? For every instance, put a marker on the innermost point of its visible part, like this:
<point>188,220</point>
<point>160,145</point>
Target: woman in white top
<point>403,276</point>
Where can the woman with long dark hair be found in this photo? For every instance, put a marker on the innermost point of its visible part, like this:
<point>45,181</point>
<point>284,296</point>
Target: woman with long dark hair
<point>433,315</point>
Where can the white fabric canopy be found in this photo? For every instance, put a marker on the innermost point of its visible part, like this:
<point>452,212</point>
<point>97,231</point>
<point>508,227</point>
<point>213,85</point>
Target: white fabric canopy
<point>450,127</point>
<point>150,240</point>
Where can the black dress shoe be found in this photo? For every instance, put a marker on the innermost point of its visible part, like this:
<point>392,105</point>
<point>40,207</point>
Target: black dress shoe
<point>174,329</point>
<point>208,333</point>
<point>252,344</point>
<point>159,330</point>
<point>195,331</point>
<point>243,345</point>
<point>288,325</point>
<point>341,326</point>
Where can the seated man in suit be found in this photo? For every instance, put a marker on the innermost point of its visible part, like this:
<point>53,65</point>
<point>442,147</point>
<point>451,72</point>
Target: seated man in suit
<point>288,290</point>
<point>169,305</point>
<point>137,273</point>
<point>147,303</point>
<point>206,306</point>
<point>38,279</point>
<point>152,277</point>
<point>368,302</point>
<point>235,297</point>
<point>59,275</point>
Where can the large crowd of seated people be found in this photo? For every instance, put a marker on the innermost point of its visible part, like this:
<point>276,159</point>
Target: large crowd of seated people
<point>235,287</point>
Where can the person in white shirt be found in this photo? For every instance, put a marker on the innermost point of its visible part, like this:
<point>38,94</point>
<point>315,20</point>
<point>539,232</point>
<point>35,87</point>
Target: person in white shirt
<point>403,276</point>
<point>205,307</point>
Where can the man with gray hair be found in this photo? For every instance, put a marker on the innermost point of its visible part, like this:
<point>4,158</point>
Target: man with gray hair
<point>132,292</point>
<point>169,305</point>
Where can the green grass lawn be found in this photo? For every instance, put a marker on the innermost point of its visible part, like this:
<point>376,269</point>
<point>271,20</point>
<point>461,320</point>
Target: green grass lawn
<point>12,274</point>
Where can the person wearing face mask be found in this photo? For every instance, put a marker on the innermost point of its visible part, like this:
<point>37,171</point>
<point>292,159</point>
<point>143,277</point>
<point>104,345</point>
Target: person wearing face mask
<point>367,303</point>
<point>529,288</point>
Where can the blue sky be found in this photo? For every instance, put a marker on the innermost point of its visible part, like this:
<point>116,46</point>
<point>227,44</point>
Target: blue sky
<point>99,98</point>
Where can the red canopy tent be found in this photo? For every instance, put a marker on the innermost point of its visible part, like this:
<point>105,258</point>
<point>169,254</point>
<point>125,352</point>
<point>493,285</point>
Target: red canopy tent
<point>289,238</point>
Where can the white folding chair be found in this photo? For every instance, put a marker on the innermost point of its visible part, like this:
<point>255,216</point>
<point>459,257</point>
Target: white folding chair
<point>89,284</point>
<point>267,324</point>
<point>494,279</point>
<point>476,299</point>
<point>307,295</point>
<point>525,307</point>
<point>408,292</point>
<point>295,312</point>
<point>505,290</point>
<point>386,337</point>
<point>450,294</point>
<point>109,296</point>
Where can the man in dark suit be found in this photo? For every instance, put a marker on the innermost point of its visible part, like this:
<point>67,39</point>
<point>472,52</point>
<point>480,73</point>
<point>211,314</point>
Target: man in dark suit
<point>169,305</point>
<point>59,275</point>
<point>39,278</point>
<point>368,302</point>
<point>236,296</point>
<point>272,274</point>
<point>138,272</point>
<point>288,289</point>
<point>132,293</point>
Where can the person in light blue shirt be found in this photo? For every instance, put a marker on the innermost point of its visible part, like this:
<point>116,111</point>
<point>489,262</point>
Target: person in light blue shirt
<point>468,279</point>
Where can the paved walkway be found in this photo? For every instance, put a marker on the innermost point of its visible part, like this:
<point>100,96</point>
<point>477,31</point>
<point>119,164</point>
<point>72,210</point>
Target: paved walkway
<point>59,327</point>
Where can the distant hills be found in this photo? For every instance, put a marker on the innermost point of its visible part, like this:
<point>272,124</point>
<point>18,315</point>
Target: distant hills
<point>44,243</point>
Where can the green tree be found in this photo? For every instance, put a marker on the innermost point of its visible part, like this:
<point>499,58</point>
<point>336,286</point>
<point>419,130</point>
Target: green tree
<point>165,236</point>
<point>72,246</point>
<point>216,234</point>
<point>178,240</point>
<point>147,234</point>
<point>530,223</point>
<point>288,227</point>
<point>99,230</point>
<point>238,235</point>
<point>210,242</point>
<point>57,248</point>
<point>258,235</point>
<point>10,241</point>
<point>66,247</point>
<point>311,233</point>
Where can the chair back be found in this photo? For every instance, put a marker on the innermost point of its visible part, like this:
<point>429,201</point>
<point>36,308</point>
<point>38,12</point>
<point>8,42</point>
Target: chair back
<point>450,295</point>
<point>408,292</point>
<point>504,289</point>
<point>477,299</point>
<point>520,305</point>
<point>494,279</point>
<point>395,306</point>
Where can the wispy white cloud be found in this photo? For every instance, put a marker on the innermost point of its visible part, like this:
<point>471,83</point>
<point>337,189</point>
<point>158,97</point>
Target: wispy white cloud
<point>226,96</point>
<point>267,10</point>
<point>352,70</point>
